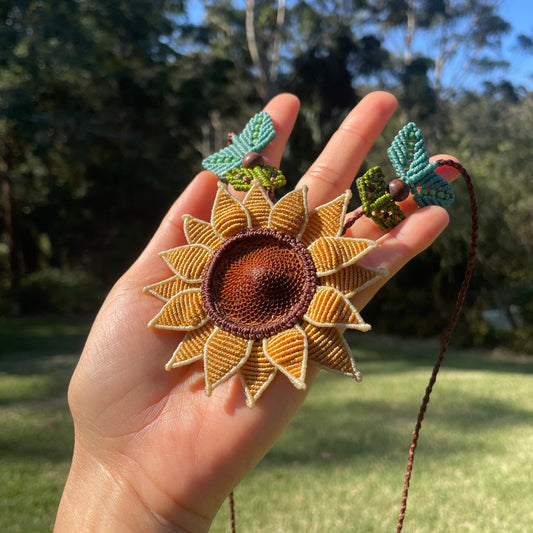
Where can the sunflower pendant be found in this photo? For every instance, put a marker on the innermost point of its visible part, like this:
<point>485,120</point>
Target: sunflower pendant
<point>263,288</point>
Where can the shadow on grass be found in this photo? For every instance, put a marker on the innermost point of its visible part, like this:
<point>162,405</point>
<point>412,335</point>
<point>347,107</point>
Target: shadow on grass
<point>37,358</point>
<point>408,354</point>
<point>327,429</point>
<point>27,344</point>
<point>377,431</point>
<point>42,434</point>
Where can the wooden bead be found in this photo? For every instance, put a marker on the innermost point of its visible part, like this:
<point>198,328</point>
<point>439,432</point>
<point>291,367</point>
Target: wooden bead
<point>252,160</point>
<point>398,189</point>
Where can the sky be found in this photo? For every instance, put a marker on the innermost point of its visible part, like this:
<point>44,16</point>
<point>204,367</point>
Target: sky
<point>519,14</point>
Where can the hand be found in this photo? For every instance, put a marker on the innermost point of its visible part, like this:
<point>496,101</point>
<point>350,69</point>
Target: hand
<point>152,452</point>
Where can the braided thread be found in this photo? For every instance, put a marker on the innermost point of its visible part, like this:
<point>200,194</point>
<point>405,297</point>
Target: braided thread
<point>448,332</point>
<point>231,502</point>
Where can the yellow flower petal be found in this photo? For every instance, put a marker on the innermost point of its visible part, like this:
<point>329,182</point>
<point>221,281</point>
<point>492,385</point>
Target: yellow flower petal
<point>329,308</point>
<point>352,279</point>
<point>224,354</point>
<point>327,220</point>
<point>330,254</point>
<point>183,312</point>
<point>188,261</point>
<point>200,232</point>
<point>289,215</point>
<point>192,347</point>
<point>287,351</point>
<point>229,216</point>
<point>259,205</point>
<point>329,350</point>
<point>256,374</point>
<point>164,290</point>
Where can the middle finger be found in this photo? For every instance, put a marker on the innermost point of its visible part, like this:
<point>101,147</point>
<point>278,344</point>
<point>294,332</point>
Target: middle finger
<point>335,168</point>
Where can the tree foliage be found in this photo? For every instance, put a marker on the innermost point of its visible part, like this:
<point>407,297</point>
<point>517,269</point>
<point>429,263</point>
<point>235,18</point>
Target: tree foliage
<point>107,108</point>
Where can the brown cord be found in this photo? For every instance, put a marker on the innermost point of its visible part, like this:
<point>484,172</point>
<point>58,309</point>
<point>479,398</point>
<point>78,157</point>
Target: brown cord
<point>444,345</point>
<point>357,214</point>
<point>232,511</point>
<point>448,332</point>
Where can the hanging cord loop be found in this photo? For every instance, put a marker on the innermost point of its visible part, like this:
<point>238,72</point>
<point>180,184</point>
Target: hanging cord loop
<point>448,332</point>
<point>445,340</point>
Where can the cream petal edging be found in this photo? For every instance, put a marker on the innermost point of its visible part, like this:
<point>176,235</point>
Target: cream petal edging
<point>224,354</point>
<point>330,254</point>
<point>256,374</point>
<point>289,215</point>
<point>188,262</point>
<point>228,216</point>
<point>330,308</point>
<point>352,279</point>
<point>167,289</point>
<point>258,205</point>
<point>182,312</point>
<point>326,220</point>
<point>328,349</point>
<point>200,232</point>
<point>317,334</point>
<point>287,351</point>
<point>192,347</point>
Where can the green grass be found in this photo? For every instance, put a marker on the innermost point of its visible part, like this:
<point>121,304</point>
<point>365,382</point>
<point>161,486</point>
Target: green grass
<point>341,463</point>
<point>36,360</point>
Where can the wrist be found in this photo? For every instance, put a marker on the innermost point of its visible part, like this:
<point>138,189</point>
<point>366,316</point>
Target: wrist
<point>100,499</point>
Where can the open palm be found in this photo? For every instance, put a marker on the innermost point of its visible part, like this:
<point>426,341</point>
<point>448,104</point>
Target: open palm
<point>152,451</point>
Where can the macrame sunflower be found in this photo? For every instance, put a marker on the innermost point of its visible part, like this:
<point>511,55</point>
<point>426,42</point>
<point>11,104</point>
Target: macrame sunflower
<point>263,288</point>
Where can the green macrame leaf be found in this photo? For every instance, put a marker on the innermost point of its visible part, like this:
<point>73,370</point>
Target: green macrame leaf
<point>254,137</point>
<point>376,201</point>
<point>410,160</point>
<point>242,178</point>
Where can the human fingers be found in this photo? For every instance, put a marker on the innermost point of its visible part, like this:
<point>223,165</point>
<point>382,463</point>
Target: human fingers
<point>283,110</point>
<point>365,227</point>
<point>400,245</point>
<point>196,200</point>
<point>335,168</point>
<point>198,197</point>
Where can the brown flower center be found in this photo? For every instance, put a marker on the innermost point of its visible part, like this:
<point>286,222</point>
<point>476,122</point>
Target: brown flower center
<point>258,283</point>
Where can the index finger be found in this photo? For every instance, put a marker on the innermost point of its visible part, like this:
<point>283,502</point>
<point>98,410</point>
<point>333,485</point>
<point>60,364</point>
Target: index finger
<point>335,168</point>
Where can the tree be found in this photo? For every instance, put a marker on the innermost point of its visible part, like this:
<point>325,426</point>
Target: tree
<point>461,37</point>
<point>107,109</point>
<point>81,85</point>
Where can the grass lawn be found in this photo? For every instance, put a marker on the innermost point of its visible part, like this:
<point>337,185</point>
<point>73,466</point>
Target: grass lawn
<point>341,463</point>
<point>36,361</point>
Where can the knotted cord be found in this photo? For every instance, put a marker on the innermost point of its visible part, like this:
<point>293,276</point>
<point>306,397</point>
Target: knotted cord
<point>447,334</point>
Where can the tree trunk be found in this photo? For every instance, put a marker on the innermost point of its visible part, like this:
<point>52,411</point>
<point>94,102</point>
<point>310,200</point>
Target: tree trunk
<point>7,207</point>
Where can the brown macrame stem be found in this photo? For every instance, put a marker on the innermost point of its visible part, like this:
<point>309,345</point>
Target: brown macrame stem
<point>357,214</point>
<point>448,332</point>
<point>271,194</point>
<point>231,511</point>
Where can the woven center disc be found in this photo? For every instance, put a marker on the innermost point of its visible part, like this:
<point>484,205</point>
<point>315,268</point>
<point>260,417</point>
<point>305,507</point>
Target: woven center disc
<point>258,283</point>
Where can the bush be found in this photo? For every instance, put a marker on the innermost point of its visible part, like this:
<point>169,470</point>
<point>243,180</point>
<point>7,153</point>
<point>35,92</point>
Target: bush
<point>54,290</point>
